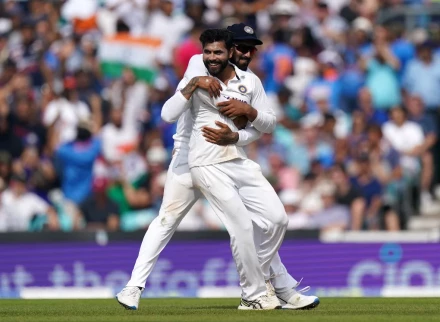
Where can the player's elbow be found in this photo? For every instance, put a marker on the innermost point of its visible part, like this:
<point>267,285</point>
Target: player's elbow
<point>167,117</point>
<point>271,124</point>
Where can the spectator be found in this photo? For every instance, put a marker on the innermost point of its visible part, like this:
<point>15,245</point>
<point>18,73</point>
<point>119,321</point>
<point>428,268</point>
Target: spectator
<point>277,61</point>
<point>120,15</point>
<point>297,219</point>
<point>358,131</point>
<point>117,140</point>
<point>98,211</point>
<point>401,47</point>
<point>186,49</point>
<point>8,140</point>
<point>130,188</point>
<point>425,87</point>
<point>386,167</point>
<point>350,11</point>
<point>265,147</point>
<point>407,138</point>
<point>327,28</point>
<point>326,85</point>
<point>131,95</point>
<point>75,163</point>
<point>287,114</point>
<point>157,158</point>
<point>27,52</point>
<point>309,146</point>
<point>349,196</point>
<point>88,92</point>
<point>24,124</point>
<point>64,113</point>
<point>280,175</point>
<point>417,114</point>
<point>372,115</point>
<point>39,171</point>
<point>332,217</point>
<point>377,214</point>
<point>180,24</point>
<point>5,169</point>
<point>381,67</point>
<point>19,207</point>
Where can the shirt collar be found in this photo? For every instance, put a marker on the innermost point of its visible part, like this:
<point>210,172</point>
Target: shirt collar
<point>238,72</point>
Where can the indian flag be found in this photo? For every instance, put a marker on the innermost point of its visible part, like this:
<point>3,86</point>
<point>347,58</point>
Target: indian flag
<point>124,50</point>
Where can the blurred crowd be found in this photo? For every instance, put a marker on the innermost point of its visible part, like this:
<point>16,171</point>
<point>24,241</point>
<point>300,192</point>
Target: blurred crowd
<point>357,102</point>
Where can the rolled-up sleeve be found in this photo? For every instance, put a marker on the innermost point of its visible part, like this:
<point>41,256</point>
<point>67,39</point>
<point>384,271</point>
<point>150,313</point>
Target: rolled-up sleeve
<point>266,119</point>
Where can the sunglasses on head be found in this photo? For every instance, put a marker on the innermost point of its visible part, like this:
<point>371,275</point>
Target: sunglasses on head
<point>245,49</point>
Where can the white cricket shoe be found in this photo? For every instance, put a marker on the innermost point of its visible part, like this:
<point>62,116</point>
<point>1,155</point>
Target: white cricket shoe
<point>298,301</point>
<point>269,301</point>
<point>129,297</point>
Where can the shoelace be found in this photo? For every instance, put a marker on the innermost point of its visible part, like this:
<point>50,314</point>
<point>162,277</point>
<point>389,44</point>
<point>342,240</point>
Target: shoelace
<point>303,290</point>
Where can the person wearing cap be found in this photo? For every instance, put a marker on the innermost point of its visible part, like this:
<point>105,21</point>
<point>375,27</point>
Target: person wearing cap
<point>179,186</point>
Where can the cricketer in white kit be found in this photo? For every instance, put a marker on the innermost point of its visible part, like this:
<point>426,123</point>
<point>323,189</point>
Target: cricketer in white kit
<point>180,195</point>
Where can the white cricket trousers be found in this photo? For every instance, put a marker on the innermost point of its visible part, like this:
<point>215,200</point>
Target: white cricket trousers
<point>179,196</point>
<point>240,196</point>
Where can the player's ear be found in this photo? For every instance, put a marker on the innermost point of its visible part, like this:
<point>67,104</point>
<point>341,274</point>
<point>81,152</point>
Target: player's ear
<point>231,51</point>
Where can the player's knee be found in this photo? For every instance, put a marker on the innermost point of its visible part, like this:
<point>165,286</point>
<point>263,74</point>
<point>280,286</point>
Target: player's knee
<point>243,231</point>
<point>169,218</point>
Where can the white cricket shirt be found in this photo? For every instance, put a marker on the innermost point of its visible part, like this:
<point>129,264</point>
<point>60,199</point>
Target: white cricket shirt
<point>174,110</point>
<point>204,112</point>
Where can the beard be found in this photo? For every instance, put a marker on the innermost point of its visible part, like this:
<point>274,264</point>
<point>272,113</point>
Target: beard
<point>241,62</point>
<point>215,67</point>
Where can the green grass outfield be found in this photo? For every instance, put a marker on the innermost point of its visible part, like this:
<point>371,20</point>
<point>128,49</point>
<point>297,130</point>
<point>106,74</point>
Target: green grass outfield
<point>207,310</point>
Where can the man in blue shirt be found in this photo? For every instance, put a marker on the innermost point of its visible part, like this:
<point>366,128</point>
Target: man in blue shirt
<point>422,77</point>
<point>75,160</point>
<point>277,62</point>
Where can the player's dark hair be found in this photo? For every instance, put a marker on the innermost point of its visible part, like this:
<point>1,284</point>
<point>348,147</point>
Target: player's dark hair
<point>212,35</point>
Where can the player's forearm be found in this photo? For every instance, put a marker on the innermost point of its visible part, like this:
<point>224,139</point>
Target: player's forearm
<point>247,136</point>
<point>189,89</point>
<point>264,121</point>
<point>174,107</point>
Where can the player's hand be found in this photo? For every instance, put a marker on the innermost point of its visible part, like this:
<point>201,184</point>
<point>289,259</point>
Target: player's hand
<point>234,108</point>
<point>221,136</point>
<point>210,84</point>
<point>240,122</point>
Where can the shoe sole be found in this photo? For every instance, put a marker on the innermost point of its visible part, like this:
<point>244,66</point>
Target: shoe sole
<point>247,308</point>
<point>310,306</point>
<point>127,307</point>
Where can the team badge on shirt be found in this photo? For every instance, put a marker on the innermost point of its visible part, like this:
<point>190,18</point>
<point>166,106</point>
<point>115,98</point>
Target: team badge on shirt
<point>242,89</point>
<point>249,30</point>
